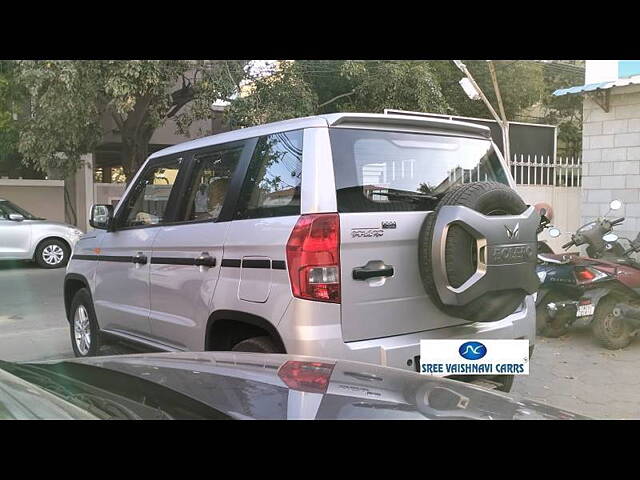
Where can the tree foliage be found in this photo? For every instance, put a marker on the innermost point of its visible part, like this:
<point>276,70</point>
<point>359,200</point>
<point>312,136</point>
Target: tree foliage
<point>521,86</point>
<point>69,100</point>
<point>565,111</point>
<point>309,87</point>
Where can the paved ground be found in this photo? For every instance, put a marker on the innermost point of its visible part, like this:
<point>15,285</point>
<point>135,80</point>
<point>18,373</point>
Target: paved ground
<point>571,372</point>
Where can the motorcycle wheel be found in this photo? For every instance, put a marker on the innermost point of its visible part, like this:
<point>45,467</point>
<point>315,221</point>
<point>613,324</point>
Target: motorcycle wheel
<point>547,326</point>
<point>611,332</point>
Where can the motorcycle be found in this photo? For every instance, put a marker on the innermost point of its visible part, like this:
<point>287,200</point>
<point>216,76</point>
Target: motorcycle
<point>610,287</point>
<point>565,277</point>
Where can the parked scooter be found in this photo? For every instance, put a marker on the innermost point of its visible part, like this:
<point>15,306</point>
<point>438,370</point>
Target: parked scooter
<point>609,285</point>
<point>565,277</point>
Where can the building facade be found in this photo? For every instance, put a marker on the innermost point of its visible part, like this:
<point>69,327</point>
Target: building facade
<point>611,140</point>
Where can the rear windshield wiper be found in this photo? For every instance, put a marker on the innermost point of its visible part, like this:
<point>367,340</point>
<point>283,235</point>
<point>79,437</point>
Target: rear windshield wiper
<point>406,195</point>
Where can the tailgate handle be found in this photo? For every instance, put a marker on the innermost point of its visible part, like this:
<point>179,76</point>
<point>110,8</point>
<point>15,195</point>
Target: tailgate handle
<point>373,269</point>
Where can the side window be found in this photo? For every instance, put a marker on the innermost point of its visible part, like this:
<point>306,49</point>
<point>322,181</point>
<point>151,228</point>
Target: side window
<point>272,185</point>
<point>210,181</point>
<point>147,203</point>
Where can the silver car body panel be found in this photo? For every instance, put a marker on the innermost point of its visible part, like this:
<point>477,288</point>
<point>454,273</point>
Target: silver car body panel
<point>20,239</point>
<point>169,306</point>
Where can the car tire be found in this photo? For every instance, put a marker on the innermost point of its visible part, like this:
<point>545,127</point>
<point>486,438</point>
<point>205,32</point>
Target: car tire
<point>256,344</point>
<point>83,325</point>
<point>488,198</point>
<point>611,332</point>
<point>547,326</point>
<point>52,253</point>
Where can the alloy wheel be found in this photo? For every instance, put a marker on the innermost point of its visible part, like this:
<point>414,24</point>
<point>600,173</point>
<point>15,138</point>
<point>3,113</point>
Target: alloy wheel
<point>52,254</point>
<point>82,330</point>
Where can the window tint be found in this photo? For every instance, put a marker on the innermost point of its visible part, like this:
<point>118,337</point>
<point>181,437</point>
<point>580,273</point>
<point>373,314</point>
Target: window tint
<point>396,171</point>
<point>7,208</point>
<point>272,186</point>
<point>148,201</point>
<point>210,182</point>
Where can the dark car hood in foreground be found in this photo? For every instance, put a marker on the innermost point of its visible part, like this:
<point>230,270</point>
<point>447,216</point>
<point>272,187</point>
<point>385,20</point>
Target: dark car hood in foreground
<point>247,385</point>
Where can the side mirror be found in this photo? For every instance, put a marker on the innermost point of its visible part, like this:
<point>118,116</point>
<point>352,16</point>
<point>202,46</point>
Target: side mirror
<point>610,237</point>
<point>615,205</point>
<point>16,217</point>
<point>554,232</point>
<point>101,216</point>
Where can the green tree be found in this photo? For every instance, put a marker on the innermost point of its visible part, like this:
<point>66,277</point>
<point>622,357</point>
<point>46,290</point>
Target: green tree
<point>521,86</point>
<point>309,87</point>
<point>564,111</point>
<point>69,99</point>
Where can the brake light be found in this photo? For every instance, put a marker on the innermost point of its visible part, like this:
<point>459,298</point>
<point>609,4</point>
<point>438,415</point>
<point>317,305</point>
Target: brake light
<point>312,377</point>
<point>586,274</point>
<point>313,257</point>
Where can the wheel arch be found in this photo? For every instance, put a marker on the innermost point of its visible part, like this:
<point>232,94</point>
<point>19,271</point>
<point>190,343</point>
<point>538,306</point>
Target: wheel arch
<point>72,283</point>
<point>49,237</point>
<point>225,328</point>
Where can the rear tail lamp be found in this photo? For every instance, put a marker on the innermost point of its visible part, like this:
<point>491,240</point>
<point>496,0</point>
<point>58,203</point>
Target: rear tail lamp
<point>313,257</point>
<point>588,274</point>
<point>312,377</point>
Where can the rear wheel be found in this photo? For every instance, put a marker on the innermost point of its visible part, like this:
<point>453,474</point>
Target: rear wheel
<point>256,344</point>
<point>610,331</point>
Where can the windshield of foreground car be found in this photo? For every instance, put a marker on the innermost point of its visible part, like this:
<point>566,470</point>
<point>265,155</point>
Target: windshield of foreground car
<point>7,208</point>
<point>22,400</point>
<point>112,395</point>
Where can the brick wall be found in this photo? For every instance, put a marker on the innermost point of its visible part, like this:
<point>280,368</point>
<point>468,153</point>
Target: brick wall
<point>611,158</point>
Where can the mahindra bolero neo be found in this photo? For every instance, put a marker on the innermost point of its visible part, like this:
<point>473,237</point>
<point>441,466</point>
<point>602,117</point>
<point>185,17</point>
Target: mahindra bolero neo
<point>350,236</point>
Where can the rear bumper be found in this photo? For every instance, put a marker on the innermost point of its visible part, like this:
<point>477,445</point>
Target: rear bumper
<point>324,339</point>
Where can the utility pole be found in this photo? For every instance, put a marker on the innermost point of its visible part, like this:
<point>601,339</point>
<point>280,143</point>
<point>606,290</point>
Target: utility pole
<point>505,123</point>
<point>501,121</point>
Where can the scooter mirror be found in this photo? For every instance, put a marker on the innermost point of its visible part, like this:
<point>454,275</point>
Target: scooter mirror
<point>610,237</point>
<point>554,232</point>
<point>615,205</point>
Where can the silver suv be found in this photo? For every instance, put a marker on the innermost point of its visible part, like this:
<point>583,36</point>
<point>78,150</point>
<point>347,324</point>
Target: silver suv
<point>311,236</point>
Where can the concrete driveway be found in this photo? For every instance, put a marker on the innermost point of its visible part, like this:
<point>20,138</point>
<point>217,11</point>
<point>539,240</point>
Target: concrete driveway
<point>32,320</point>
<point>571,372</point>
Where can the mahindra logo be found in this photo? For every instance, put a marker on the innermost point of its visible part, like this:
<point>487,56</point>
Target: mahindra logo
<point>512,233</point>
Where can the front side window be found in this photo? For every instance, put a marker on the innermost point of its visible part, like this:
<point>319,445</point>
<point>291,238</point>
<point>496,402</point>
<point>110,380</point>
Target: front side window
<point>7,208</point>
<point>272,185</point>
<point>397,171</point>
<point>210,183</point>
<point>148,201</point>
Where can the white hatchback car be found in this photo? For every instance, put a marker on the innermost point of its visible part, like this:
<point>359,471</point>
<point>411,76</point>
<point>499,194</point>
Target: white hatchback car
<point>350,236</point>
<point>24,236</point>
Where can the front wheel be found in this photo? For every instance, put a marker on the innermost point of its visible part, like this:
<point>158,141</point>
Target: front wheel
<point>52,254</point>
<point>85,338</point>
<point>610,331</point>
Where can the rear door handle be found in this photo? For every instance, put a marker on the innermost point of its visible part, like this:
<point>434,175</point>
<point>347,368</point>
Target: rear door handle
<point>205,260</point>
<point>140,258</point>
<point>373,269</point>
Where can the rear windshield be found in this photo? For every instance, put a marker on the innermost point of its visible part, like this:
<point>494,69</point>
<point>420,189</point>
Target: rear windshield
<point>396,171</point>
